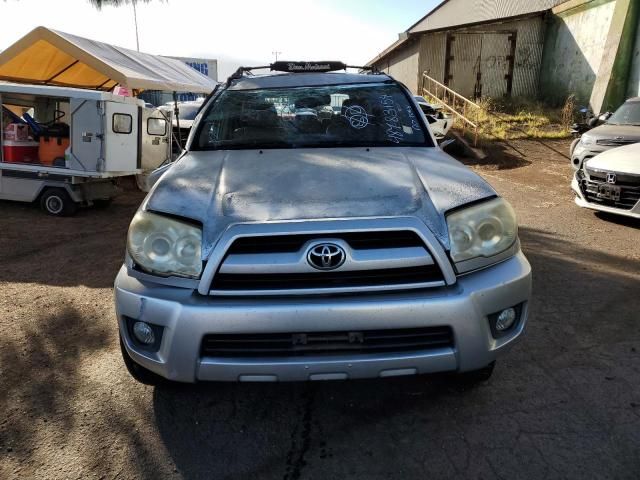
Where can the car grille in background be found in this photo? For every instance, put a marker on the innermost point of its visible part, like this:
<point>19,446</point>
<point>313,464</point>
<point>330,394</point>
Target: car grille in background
<point>622,179</point>
<point>612,142</point>
<point>386,242</point>
<point>629,196</point>
<point>326,343</point>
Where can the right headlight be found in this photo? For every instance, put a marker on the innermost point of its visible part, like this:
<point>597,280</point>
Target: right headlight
<point>586,140</point>
<point>480,233</point>
<point>165,246</point>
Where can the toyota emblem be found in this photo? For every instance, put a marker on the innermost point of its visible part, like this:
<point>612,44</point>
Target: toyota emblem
<point>326,256</point>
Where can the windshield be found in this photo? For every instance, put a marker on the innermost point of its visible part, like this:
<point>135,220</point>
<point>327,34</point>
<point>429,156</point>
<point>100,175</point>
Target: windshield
<point>327,116</point>
<point>627,114</point>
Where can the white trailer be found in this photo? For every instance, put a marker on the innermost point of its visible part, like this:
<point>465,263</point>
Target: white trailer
<point>109,136</point>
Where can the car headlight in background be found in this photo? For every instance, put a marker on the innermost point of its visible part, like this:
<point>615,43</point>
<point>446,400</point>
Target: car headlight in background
<point>586,140</point>
<point>165,246</point>
<point>481,232</point>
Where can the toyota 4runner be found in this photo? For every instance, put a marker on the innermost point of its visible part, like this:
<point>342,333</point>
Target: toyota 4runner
<point>311,246</point>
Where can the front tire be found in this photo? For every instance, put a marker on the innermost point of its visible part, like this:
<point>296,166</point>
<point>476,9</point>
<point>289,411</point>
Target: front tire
<point>141,374</point>
<point>57,202</point>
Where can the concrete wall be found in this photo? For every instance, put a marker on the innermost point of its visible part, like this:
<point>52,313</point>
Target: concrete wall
<point>574,46</point>
<point>633,88</point>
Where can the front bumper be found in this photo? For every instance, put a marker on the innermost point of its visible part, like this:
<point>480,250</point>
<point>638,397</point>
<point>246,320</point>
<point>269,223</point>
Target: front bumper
<point>581,201</point>
<point>188,316</point>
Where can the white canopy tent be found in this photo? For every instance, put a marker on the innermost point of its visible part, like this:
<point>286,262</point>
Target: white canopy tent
<point>50,57</point>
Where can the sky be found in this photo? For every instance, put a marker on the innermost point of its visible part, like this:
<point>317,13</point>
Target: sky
<point>234,32</point>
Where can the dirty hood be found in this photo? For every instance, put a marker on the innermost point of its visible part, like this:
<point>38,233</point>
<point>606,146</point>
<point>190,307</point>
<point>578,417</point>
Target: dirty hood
<point>629,133</point>
<point>220,188</point>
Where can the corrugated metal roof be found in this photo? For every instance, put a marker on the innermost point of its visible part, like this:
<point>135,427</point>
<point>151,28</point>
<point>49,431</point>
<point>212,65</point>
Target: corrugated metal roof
<point>457,13</point>
<point>454,13</point>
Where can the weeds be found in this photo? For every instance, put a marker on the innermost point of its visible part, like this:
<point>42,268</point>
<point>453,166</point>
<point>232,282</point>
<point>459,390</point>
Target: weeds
<point>518,118</point>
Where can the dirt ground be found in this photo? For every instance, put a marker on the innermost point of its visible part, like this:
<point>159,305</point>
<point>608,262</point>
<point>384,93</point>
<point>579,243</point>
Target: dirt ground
<point>565,403</point>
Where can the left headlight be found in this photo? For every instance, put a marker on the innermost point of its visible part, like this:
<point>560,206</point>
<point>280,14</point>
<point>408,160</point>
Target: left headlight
<point>478,234</point>
<point>165,246</point>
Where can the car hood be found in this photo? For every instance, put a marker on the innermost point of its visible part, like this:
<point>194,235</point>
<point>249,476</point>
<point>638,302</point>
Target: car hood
<point>220,188</point>
<point>622,160</point>
<point>604,132</point>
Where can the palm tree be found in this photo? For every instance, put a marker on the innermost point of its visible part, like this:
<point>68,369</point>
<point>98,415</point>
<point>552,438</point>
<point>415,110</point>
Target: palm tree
<point>116,3</point>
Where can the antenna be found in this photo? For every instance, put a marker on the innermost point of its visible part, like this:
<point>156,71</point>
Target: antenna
<point>276,53</point>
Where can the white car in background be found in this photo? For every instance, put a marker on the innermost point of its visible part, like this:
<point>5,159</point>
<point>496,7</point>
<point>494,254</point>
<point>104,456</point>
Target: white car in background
<point>610,182</point>
<point>443,121</point>
<point>187,113</point>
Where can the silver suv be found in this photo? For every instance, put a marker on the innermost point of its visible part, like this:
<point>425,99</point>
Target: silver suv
<point>620,128</point>
<point>296,247</point>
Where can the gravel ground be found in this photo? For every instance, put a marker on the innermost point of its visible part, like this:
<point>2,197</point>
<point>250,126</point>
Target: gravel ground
<point>565,403</point>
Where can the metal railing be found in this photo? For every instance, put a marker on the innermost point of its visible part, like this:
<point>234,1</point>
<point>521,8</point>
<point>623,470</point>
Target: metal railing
<point>465,110</point>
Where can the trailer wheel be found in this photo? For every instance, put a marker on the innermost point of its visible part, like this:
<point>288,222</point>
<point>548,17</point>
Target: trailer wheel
<point>57,202</point>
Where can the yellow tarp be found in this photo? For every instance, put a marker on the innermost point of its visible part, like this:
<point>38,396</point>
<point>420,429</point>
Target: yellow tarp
<point>49,57</point>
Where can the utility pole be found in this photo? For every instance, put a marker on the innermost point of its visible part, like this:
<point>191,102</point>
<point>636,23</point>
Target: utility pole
<point>276,54</point>
<point>135,19</point>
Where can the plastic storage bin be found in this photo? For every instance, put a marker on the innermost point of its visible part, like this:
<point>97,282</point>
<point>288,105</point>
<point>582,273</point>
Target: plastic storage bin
<point>16,132</point>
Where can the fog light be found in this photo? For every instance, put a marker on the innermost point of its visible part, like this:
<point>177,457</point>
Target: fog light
<point>144,333</point>
<point>506,319</point>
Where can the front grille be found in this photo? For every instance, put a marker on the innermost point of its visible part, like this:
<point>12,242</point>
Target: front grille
<point>612,142</point>
<point>629,196</point>
<point>293,281</point>
<point>326,343</point>
<point>274,265</point>
<point>622,179</point>
<point>358,240</point>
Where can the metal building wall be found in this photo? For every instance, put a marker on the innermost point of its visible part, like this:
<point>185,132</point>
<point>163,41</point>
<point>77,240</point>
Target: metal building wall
<point>402,64</point>
<point>573,51</point>
<point>528,58</point>
<point>528,55</point>
<point>432,53</point>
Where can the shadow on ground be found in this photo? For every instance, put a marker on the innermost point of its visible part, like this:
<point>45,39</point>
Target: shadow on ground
<point>619,219</point>
<point>86,249</point>
<point>559,403</point>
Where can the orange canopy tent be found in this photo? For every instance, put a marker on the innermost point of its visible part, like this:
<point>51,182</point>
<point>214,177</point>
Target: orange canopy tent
<point>50,57</point>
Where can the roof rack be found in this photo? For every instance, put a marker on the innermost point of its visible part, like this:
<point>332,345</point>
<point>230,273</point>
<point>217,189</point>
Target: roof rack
<point>301,67</point>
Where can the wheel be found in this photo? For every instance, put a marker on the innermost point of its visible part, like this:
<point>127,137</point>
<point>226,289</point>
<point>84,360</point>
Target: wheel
<point>141,374</point>
<point>57,202</point>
